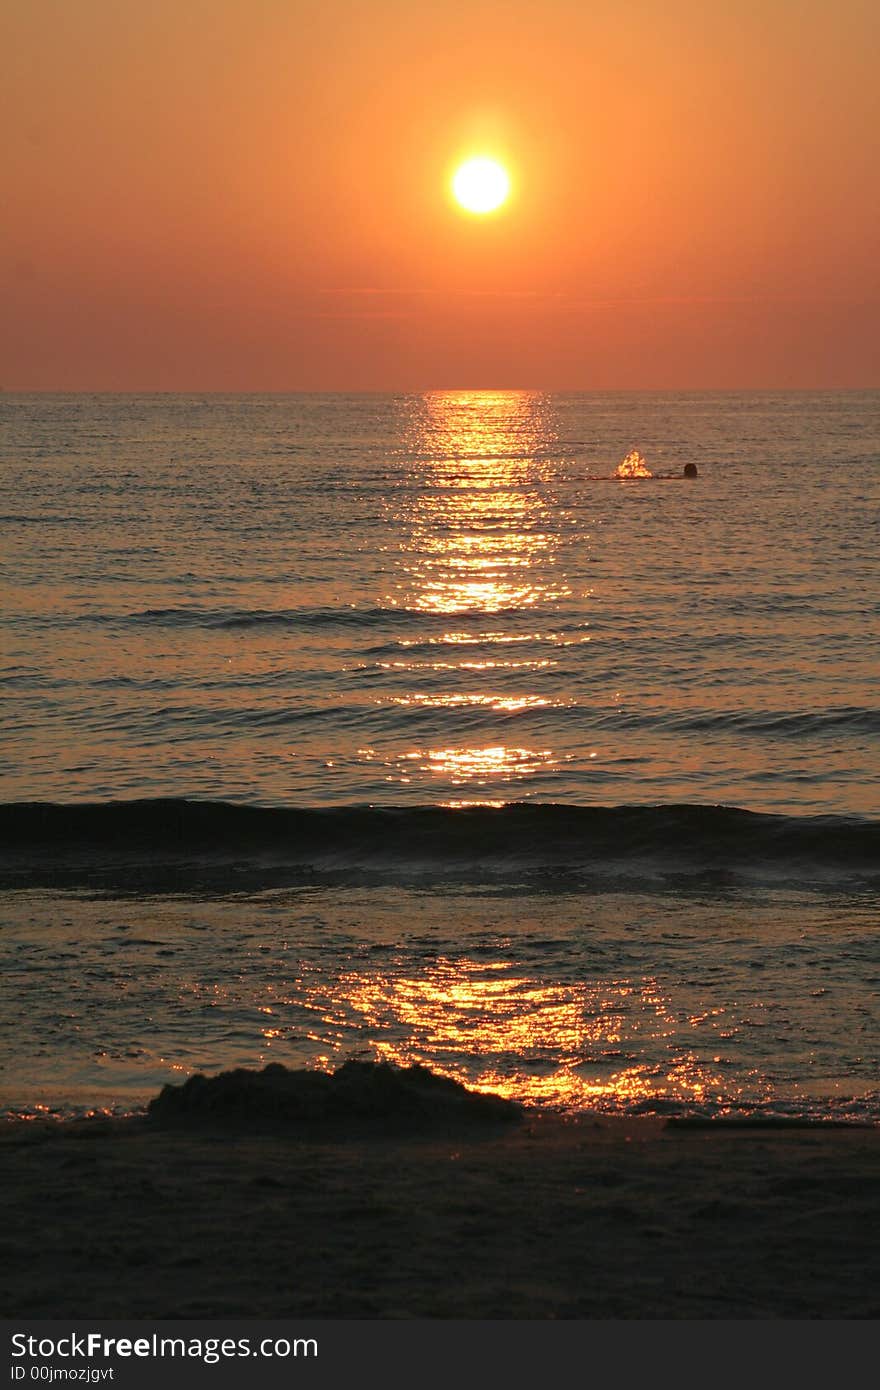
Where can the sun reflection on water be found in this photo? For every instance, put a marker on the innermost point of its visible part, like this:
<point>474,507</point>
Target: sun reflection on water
<point>461,765</point>
<point>606,1045</point>
<point>481,541</point>
<point>481,535</point>
<point>509,704</point>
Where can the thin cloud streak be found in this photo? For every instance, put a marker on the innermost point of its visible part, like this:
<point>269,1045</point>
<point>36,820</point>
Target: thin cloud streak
<point>567,302</point>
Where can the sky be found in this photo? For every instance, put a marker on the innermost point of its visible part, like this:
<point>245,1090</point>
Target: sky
<point>253,195</point>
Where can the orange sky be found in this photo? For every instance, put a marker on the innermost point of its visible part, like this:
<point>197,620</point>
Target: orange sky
<point>252,194</point>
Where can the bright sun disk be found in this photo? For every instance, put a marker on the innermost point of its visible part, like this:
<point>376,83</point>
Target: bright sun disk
<point>481,185</point>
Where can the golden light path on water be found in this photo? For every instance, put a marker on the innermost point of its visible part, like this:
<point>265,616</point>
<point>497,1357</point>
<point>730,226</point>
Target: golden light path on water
<point>587,1045</point>
<point>483,548</point>
<point>482,544</point>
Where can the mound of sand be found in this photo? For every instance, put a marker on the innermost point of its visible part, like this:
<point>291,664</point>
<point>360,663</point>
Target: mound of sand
<point>358,1094</point>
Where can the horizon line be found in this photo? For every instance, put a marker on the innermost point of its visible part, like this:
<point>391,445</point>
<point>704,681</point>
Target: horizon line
<point>428,390</point>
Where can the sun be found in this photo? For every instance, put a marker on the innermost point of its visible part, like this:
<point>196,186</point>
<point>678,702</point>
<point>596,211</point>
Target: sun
<point>481,185</point>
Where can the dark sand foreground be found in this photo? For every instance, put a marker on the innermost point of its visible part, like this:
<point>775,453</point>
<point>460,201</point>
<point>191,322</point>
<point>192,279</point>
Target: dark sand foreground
<point>542,1219</point>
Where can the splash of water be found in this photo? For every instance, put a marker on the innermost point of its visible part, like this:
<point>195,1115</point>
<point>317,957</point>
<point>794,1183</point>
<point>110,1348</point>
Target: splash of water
<point>633,466</point>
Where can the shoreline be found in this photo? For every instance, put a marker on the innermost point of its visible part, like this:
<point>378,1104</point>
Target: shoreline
<point>548,1218</point>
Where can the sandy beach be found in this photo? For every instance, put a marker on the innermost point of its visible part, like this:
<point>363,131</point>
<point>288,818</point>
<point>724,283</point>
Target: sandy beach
<point>547,1218</point>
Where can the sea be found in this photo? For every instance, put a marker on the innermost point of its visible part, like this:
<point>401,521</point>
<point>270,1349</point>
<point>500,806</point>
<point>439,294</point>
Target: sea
<point>404,727</point>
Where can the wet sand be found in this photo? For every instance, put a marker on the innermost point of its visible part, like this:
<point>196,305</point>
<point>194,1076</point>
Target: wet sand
<point>544,1219</point>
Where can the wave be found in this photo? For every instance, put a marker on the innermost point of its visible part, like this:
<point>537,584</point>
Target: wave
<point>778,723</point>
<point>718,844</point>
<point>271,617</point>
<point>424,714</point>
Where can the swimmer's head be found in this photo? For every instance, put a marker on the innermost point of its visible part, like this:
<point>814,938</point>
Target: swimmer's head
<point>690,470</point>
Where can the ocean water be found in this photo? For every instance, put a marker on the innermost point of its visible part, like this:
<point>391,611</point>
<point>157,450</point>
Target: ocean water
<point>563,783</point>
